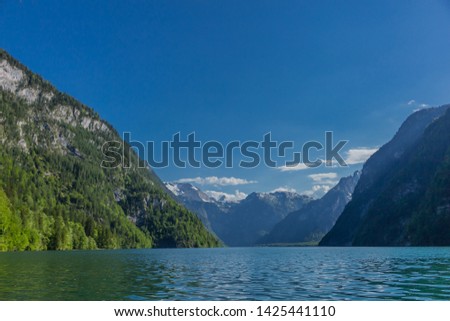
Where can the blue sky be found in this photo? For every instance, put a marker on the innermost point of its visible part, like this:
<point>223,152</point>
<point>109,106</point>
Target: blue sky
<point>235,70</point>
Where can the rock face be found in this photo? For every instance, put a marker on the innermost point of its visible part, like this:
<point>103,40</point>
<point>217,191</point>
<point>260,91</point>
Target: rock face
<point>255,216</point>
<point>59,195</point>
<point>315,219</point>
<point>197,201</point>
<point>240,223</point>
<point>403,195</point>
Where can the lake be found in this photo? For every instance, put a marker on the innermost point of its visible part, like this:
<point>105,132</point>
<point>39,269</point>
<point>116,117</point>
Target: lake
<point>305,273</point>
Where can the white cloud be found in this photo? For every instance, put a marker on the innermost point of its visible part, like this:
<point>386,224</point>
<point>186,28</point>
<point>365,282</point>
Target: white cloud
<point>216,181</point>
<point>359,155</point>
<point>319,178</point>
<point>421,106</point>
<point>322,183</point>
<point>284,189</point>
<point>317,191</point>
<point>418,106</point>
<point>222,196</point>
<point>298,167</point>
<point>353,156</point>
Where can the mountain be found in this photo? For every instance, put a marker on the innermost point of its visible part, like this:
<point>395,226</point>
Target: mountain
<point>198,202</point>
<point>60,187</point>
<point>240,223</point>
<point>255,216</point>
<point>188,192</point>
<point>403,196</point>
<point>315,219</point>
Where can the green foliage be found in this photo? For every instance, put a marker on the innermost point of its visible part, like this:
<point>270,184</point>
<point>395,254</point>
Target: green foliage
<point>11,235</point>
<point>55,195</point>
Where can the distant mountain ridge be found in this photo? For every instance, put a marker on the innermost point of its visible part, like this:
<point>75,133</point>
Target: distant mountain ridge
<point>403,196</point>
<point>240,223</point>
<point>53,192</point>
<point>197,201</point>
<point>256,215</point>
<point>310,223</point>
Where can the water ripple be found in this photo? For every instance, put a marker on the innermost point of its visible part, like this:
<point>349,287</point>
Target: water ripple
<point>228,274</point>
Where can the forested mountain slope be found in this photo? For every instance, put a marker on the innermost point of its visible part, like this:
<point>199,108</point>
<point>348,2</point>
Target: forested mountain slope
<point>53,192</point>
<point>403,196</point>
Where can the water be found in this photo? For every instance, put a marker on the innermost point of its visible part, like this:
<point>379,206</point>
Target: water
<point>228,274</point>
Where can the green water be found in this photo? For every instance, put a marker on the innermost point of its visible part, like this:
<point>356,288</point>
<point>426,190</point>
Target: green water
<point>228,274</point>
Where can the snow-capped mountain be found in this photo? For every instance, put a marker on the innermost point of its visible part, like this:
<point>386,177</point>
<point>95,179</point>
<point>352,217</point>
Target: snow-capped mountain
<point>238,222</point>
<point>197,201</point>
<point>188,192</point>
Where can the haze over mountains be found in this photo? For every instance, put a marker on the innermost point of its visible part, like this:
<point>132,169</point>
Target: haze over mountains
<point>53,192</point>
<point>239,223</point>
<point>268,218</point>
<point>315,219</point>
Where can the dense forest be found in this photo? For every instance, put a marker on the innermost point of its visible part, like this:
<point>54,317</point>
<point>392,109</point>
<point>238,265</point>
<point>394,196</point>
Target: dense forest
<point>54,195</point>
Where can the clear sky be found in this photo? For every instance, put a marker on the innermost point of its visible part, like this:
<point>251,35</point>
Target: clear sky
<point>235,70</point>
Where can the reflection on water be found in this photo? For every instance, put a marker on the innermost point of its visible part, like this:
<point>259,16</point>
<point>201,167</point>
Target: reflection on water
<point>228,274</point>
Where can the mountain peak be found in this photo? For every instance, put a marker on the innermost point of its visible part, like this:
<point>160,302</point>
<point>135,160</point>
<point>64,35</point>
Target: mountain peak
<point>402,189</point>
<point>51,173</point>
<point>188,191</point>
<point>316,218</point>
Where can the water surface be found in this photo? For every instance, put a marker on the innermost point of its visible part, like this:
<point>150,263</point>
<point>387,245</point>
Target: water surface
<point>228,274</point>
